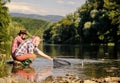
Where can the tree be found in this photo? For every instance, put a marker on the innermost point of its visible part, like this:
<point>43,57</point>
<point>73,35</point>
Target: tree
<point>4,21</point>
<point>96,21</point>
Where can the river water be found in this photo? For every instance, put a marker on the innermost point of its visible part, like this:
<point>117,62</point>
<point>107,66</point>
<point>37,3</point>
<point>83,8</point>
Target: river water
<point>87,61</point>
<point>83,68</point>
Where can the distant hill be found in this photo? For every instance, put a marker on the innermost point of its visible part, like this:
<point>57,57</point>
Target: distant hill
<point>50,18</point>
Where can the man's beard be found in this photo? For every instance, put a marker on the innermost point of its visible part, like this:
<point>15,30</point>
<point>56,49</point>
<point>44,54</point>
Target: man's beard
<point>23,38</point>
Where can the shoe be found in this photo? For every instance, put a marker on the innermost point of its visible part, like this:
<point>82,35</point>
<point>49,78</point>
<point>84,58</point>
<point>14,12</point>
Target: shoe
<point>26,62</point>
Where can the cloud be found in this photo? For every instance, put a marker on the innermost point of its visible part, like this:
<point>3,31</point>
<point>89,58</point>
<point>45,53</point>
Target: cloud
<point>24,8</point>
<point>28,8</point>
<point>72,3</point>
<point>60,1</point>
<point>55,7</point>
<point>57,11</point>
<point>67,2</point>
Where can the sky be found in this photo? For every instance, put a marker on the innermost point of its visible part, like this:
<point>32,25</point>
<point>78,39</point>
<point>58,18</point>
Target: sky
<point>44,7</point>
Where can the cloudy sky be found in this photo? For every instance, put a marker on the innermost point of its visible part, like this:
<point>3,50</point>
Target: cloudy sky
<point>44,7</point>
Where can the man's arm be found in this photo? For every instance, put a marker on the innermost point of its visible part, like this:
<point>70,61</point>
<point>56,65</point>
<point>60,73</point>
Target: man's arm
<point>16,43</point>
<point>43,54</point>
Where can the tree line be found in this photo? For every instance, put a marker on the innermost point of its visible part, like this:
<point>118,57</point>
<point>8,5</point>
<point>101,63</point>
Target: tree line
<point>96,21</point>
<point>4,21</point>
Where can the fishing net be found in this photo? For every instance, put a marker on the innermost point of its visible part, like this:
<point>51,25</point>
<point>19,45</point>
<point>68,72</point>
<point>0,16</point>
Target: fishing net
<point>60,63</point>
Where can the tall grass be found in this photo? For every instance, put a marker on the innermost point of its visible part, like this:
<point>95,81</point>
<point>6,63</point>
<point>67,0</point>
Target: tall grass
<point>5,50</point>
<point>4,55</point>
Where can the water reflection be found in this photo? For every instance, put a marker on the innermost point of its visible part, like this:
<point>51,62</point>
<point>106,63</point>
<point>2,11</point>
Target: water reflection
<point>83,68</point>
<point>82,51</point>
<point>98,70</point>
<point>42,74</point>
<point>27,73</point>
<point>84,59</point>
<point>31,74</point>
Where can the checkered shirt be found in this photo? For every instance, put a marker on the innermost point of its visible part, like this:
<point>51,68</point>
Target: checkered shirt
<point>26,47</point>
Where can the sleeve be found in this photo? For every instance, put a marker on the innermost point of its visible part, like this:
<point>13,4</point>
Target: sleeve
<point>20,40</point>
<point>16,42</point>
<point>13,46</point>
<point>37,50</point>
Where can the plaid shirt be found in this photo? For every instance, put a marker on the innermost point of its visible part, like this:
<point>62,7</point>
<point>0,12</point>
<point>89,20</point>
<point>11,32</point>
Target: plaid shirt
<point>26,47</point>
<point>16,43</point>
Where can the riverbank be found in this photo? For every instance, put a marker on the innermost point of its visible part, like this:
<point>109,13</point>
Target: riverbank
<point>74,79</point>
<point>69,78</point>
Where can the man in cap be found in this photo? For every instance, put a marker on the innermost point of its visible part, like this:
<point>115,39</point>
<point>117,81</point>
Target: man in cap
<point>18,40</point>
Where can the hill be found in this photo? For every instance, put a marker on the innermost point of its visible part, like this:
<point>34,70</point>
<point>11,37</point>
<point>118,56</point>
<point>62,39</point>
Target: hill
<point>49,18</point>
<point>33,26</point>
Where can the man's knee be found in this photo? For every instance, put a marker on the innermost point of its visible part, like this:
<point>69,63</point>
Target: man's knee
<point>33,56</point>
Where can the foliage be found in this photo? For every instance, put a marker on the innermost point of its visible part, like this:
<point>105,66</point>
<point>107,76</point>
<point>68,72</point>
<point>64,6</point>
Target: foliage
<point>4,21</point>
<point>4,70</point>
<point>33,26</point>
<point>14,28</point>
<point>96,21</point>
<point>63,30</point>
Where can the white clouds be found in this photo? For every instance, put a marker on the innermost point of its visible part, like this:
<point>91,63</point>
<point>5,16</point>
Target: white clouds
<point>45,7</point>
<point>33,9</point>
<point>68,2</point>
<point>58,11</point>
<point>18,7</point>
<point>25,8</point>
<point>72,3</point>
<point>60,1</point>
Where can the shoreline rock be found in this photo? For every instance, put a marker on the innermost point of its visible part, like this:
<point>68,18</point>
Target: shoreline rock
<point>75,79</point>
<point>68,78</point>
<point>10,79</point>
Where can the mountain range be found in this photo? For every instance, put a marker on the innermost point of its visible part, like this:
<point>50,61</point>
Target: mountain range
<point>49,18</point>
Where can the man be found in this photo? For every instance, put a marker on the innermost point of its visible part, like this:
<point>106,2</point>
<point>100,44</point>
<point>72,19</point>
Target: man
<point>25,52</point>
<point>18,40</point>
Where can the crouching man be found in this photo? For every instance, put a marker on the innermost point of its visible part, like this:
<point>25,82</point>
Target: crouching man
<point>25,52</point>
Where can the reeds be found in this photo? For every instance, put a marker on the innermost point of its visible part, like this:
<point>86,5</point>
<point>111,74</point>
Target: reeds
<point>2,59</point>
<point>3,67</point>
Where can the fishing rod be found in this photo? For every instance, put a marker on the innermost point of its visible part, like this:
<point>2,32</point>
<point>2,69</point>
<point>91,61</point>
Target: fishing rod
<point>31,35</point>
<point>56,62</point>
<point>41,27</point>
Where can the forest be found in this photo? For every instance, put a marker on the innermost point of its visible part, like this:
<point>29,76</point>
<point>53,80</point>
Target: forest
<point>95,22</point>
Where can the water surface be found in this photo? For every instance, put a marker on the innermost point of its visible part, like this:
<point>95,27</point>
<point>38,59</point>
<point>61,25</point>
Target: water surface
<point>83,68</point>
<point>87,61</point>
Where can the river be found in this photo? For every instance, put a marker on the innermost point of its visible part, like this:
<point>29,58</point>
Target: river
<point>87,61</point>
